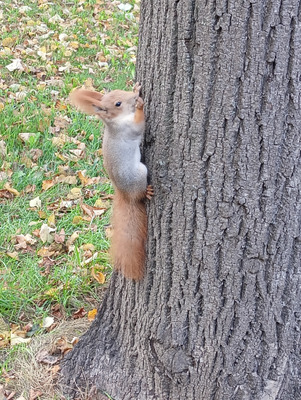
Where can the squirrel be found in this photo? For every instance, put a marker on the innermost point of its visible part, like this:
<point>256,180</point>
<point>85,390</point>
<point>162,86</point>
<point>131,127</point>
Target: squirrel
<point>123,117</point>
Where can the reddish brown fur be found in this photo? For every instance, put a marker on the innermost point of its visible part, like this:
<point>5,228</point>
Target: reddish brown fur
<point>129,235</point>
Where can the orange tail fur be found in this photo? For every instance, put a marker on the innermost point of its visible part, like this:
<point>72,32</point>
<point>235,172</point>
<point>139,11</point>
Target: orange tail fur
<point>129,222</point>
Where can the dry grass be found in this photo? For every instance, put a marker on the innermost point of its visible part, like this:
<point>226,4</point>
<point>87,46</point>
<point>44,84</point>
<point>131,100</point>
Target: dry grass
<point>32,377</point>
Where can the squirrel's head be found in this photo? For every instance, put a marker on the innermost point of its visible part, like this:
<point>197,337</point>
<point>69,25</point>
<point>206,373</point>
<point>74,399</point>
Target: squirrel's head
<point>107,106</point>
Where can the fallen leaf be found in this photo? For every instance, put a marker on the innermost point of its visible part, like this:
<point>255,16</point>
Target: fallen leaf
<point>34,394</point>
<point>77,220</point>
<point>11,190</point>
<point>92,314</point>
<point>35,203</point>
<point>60,237</point>
<point>9,41</point>
<point>72,239</point>
<point>46,233</point>
<point>88,246</point>
<point>51,220</point>
<point>80,313</point>
<point>51,292</point>
<point>92,211</point>
<point>48,184</point>
<point>45,252</point>
<point>35,154</point>
<point>70,179</point>
<point>2,148</point>
<point>25,136</point>
<point>42,214</point>
<point>13,255</point>
<point>44,357</point>
<point>75,193</point>
<point>15,65</point>
<point>62,346</point>
<point>24,241</point>
<point>55,369</point>
<point>5,194</point>
<point>47,322</point>
<point>15,339</point>
<point>98,275</point>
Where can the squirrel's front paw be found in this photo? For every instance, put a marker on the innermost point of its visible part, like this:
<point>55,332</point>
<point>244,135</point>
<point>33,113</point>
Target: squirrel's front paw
<point>149,192</point>
<point>139,103</point>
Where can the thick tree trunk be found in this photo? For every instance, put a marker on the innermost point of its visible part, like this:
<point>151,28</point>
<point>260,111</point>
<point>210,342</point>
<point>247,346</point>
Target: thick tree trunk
<point>218,315</point>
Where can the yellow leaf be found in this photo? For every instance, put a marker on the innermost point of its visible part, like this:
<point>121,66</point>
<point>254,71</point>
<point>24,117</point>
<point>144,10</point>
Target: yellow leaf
<point>13,255</point>
<point>75,193</point>
<point>84,180</point>
<point>99,203</point>
<point>89,84</point>
<point>1,106</point>
<point>74,45</point>
<point>9,41</point>
<point>92,314</point>
<point>61,157</point>
<point>51,292</point>
<point>11,190</point>
<point>98,275</point>
<point>77,220</point>
<point>51,220</point>
<point>42,214</point>
<point>45,252</point>
<point>47,184</point>
<point>88,246</point>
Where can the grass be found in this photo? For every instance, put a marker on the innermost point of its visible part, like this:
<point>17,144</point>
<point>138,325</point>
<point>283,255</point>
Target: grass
<point>61,45</point>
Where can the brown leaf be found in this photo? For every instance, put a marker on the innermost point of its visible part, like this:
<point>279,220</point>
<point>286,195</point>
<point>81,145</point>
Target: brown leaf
<point>35,154</point>
<point>5,194</point>
<point>34,394</point>
<point>48,184</point>
<point>24,242</point>
<point>45,252</point>
<point>44,357</point>
<point>80,313</point>
<point>92,211</point>
<point>57,311</point>
<point>60,237</point>
<point>13,255</point>
<point>72,239</point>
<point>61,346</point>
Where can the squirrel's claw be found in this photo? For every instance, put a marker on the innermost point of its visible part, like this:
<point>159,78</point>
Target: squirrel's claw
<point>149,192</point>
<point>139,103</point>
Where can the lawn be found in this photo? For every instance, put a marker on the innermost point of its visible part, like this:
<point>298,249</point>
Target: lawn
<point>55,196</point>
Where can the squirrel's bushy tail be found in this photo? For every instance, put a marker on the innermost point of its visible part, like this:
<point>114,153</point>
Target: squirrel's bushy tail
<point>129,222</point>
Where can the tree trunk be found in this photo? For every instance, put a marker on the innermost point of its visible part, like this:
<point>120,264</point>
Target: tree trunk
<point>218,314</point>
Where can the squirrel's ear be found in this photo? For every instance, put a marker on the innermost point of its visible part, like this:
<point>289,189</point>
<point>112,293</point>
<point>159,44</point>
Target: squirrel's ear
<point>86,100</point>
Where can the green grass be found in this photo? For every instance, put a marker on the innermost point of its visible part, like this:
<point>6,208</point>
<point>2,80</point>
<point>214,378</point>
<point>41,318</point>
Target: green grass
<point>94,40</point>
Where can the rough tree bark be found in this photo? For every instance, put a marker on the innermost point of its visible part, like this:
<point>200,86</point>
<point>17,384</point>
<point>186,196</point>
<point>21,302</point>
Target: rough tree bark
<point>218,315</point>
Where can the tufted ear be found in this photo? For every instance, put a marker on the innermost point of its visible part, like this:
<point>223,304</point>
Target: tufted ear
<point>87,101</point>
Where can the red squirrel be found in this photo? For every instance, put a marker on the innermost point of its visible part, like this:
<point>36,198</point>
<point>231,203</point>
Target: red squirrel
<point>123,117</point>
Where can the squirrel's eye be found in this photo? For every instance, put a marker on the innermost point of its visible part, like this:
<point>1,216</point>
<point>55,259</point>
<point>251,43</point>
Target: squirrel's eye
<point>118,104</point>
